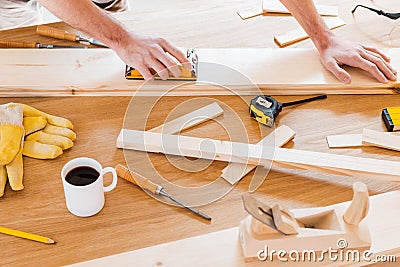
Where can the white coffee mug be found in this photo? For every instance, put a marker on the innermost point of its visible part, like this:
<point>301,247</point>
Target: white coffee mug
<point>86,200</point>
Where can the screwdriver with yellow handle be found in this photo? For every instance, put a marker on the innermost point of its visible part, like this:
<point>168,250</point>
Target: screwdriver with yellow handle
<point>15,44</point>
<point>64,35</point>
<point>154,188</point>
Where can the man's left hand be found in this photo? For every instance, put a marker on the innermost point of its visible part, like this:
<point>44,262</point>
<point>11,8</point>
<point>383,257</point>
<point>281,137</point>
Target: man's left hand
<point>340,52</point>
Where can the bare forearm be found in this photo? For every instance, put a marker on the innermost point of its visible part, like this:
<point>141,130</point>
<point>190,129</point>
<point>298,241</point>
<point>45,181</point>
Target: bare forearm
<point>145,53</point>
<point>305,13</point>
<point>86,17</point>
<point>334,51</point>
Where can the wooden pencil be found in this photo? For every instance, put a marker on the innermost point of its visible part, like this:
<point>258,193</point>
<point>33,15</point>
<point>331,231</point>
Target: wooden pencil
<point>34,237</point>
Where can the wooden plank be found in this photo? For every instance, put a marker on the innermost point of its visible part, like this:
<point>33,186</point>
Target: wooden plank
<point>259,155</point>
<point>381,139</point>
<point>294,70</point>
<point>275,6</point>
<point>383,223</point>
<point>250,12</point>
<point>367,138</point>
<point>100,72</point>
<point>184,122</point>
<point>344,140</point>
<point>272,6</point>
<point>279,137</point>
<point>297,35</point>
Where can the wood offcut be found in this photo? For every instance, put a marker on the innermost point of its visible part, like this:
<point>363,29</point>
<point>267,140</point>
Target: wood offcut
<point>279,137</point>
<point>183,122</point>
<point>369,137</point>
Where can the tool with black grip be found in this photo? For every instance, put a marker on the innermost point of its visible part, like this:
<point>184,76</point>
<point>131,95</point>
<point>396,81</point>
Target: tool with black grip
<point>265,108</point>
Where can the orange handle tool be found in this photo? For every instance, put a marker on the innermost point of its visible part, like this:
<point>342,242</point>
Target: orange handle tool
<point>56,33</point>
<point>138,180</point>
<point>145,183</point>
<point>13,44</point>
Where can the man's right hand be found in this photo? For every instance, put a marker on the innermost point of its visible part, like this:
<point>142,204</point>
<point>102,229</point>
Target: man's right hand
<point>145,52</point>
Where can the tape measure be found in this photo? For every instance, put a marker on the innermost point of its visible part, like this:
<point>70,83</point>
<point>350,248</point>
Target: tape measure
<point>265,108</point>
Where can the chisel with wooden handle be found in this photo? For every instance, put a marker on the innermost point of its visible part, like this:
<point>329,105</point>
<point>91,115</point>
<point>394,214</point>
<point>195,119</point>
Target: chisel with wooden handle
<point>154,188</point>
<point>64,35</point>
<point>14,44</point>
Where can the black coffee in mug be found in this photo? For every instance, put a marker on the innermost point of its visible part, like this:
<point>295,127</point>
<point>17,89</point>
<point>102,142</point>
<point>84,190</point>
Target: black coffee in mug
<point>82,176</point>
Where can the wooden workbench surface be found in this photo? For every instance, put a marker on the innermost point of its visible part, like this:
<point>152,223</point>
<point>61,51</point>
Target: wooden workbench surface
<point>131,219</point>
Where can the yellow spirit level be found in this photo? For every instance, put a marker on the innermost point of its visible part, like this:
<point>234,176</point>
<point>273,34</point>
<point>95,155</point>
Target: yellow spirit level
<point>391,118</point>
<point>133,74</point>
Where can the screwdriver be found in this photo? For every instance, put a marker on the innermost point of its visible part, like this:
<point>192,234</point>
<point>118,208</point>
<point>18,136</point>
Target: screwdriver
<point>64,35</point>
<point>14,44</point>
<point>145,183</point>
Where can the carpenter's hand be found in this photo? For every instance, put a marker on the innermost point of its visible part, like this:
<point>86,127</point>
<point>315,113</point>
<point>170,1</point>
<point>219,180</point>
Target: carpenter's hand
<point>341,52</point>
<point>145,53</point>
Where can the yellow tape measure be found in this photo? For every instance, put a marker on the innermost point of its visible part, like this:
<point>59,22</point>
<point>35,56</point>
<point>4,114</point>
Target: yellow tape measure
<point>265,109</point>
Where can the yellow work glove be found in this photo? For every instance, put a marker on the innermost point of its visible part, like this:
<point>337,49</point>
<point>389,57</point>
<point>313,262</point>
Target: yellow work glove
<point>11,140</point>
<point>46,136</point>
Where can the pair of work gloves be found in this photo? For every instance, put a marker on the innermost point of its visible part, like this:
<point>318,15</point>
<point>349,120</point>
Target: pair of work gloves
<point>27,131</point>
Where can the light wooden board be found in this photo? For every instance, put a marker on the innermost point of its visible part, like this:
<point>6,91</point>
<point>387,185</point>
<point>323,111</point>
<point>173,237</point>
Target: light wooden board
<point>222,248</point>
<point>367,138</point>
<point>184,122</point>
<point>381,139</point>
<point>279,137</point>
<point>297,35</point>
<point>101,72</point>
<point>260,155</point>
<point>344,140</point>
<point>250,12</point>
<point>275,6</point>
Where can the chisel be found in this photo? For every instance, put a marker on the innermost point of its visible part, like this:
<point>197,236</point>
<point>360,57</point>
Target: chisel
<point>145,183</point>
<point>13,44</point>
<point>64,35</point>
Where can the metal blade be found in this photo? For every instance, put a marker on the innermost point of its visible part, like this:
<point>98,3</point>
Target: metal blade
<point>95,42</point>
<point>258,210</point>
<point>59,46</point>
<point>83,39</point>
<point>164,193</point>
